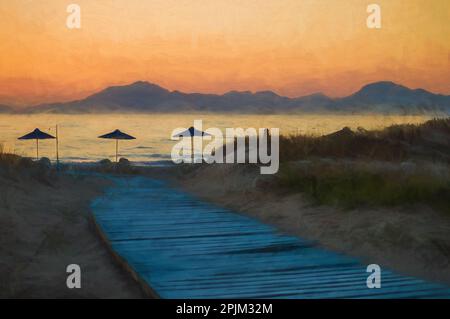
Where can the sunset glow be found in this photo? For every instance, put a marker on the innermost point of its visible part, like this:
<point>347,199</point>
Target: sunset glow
<point>293,47</point>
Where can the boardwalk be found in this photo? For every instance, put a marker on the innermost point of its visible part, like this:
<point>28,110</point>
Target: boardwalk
<point>185,248</point>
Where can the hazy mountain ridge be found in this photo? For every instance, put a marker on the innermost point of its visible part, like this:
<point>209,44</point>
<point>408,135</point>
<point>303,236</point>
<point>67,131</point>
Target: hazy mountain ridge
<point>5,109</point>
<point>379,97</point>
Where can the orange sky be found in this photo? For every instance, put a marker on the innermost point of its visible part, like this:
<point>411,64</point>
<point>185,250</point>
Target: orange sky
<point>294,47</point>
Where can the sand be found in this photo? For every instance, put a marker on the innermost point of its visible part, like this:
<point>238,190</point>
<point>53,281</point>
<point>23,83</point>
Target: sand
<point>46,226</point>
<point>412,241</point>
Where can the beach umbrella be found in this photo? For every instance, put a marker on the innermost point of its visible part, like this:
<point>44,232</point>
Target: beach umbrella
<point>192,131</point>
<point>117,135</point>
<point>37,135</point>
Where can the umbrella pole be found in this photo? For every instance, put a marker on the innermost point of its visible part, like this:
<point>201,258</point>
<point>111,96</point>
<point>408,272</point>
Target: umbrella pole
<point>57,149</point>
<point>37,149</point>
<point>192,149</point>
<point>117,148</point>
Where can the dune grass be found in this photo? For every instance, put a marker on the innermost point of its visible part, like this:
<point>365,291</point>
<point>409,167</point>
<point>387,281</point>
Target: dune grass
<point>352,186</point>
<point>351,169</point>
<point>396,143</point>
<point>13,167</point>
<point>7,158</point>
<point>429,140</point>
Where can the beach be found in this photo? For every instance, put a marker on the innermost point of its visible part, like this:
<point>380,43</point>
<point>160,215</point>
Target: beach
<point>388,212</point>
<point>46,225</point>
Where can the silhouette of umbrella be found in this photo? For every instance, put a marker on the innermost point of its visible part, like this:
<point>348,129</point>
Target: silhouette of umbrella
<point>37,135</point>
<point>192,131</point>
<point>117,135</point>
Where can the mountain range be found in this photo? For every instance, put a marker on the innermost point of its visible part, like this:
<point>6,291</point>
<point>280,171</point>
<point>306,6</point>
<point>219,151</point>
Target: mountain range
<point>378,97</point>
<point>5,109</point>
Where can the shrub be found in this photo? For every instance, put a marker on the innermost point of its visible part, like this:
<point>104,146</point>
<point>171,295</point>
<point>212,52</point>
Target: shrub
<point>351,186</point>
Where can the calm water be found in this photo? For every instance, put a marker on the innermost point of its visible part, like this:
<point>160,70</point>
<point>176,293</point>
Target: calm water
<point>78,140</point>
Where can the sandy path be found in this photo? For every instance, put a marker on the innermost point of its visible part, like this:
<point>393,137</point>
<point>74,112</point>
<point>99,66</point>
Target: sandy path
<point>46,227</point>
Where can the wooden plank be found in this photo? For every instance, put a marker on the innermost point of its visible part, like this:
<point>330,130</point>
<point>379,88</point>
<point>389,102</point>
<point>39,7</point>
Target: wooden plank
<point>185,248</point>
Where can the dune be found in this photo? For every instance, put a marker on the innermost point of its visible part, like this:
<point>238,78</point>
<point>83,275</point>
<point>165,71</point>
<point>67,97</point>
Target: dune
<point>45,226</point>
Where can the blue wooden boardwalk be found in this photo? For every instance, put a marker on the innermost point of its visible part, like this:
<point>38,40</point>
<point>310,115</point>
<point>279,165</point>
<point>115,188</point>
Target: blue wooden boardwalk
<point>185,248</point>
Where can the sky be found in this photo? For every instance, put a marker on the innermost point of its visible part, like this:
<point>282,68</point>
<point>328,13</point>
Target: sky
<point>292,47</point>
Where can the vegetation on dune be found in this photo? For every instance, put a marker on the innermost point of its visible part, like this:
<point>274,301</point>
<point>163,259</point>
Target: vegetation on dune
<point>430,140</point>
<point>396,143</point>
<point>14,167</point>
<point>362,184</point>
<point>401,164</point>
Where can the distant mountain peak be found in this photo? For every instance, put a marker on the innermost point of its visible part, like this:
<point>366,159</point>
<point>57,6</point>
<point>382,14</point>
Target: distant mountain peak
<point>139,86</point>
<point>235,92</point>
<point>267,93</point>
<point>382,84</point>
<point>140,83</point>
<point>5,108</point>
<point>317,94</point>
<point>390,87</point>
<point>382,87</point>
<point>388,97</point>
<point>143,84</point>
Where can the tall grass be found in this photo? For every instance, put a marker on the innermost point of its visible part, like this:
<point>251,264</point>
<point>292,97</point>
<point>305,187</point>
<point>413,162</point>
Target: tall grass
<point>351,186</point>
<point>348,178</point>
<point>13,167</point>
<point>7,158</point>
<point>395,143</point>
